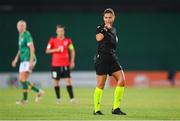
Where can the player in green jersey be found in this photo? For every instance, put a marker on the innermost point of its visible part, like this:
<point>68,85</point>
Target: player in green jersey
<point>26,53</point>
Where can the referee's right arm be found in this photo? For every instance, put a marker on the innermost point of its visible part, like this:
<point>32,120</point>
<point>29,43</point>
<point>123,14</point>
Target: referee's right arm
<point>100,32</point>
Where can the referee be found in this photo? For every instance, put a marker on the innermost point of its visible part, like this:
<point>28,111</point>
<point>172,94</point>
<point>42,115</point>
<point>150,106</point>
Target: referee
<point>106,63</point>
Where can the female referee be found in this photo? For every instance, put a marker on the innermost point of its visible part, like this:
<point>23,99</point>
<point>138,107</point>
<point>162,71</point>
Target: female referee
<point>106,63</point>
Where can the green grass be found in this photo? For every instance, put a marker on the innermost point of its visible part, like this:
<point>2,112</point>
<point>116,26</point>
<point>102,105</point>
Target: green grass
<point>139,103</point>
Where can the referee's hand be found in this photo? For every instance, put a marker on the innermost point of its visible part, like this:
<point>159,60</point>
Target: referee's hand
<point>101,29</point>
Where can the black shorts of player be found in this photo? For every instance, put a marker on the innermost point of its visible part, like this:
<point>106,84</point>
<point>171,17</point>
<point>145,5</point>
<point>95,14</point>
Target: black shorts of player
<point>60,72</point>
<point>106,64</point>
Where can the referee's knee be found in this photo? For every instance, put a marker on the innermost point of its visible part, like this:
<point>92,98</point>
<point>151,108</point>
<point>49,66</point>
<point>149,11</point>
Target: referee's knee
<point>121,82</point>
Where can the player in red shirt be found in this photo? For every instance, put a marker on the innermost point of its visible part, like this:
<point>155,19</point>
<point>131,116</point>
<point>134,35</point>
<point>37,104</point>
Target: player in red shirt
<point>63,55</point>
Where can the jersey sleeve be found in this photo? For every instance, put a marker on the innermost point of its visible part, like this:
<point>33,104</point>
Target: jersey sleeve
<point>70,44</point>
<point>29,39</point>
<point>50,44</point>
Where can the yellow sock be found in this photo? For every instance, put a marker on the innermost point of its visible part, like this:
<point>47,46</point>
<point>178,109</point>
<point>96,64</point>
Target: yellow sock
<point>118,94</point>
<point>97,98</point>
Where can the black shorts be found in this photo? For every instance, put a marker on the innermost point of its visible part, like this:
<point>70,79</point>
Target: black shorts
<point>106,64</point>
<point>60,72</point>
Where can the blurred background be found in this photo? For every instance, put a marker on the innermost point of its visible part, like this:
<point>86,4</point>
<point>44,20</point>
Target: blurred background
<point>148,31</point>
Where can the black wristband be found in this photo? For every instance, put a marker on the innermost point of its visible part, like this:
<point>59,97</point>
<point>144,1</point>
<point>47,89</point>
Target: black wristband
<point>102,31</point>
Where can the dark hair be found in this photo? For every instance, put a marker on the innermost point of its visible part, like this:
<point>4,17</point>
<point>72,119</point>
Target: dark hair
<point>109,10</point>
<point>60,26</point>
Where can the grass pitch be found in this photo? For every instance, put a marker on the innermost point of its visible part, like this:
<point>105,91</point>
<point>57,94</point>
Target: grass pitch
<point>139,103</point>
